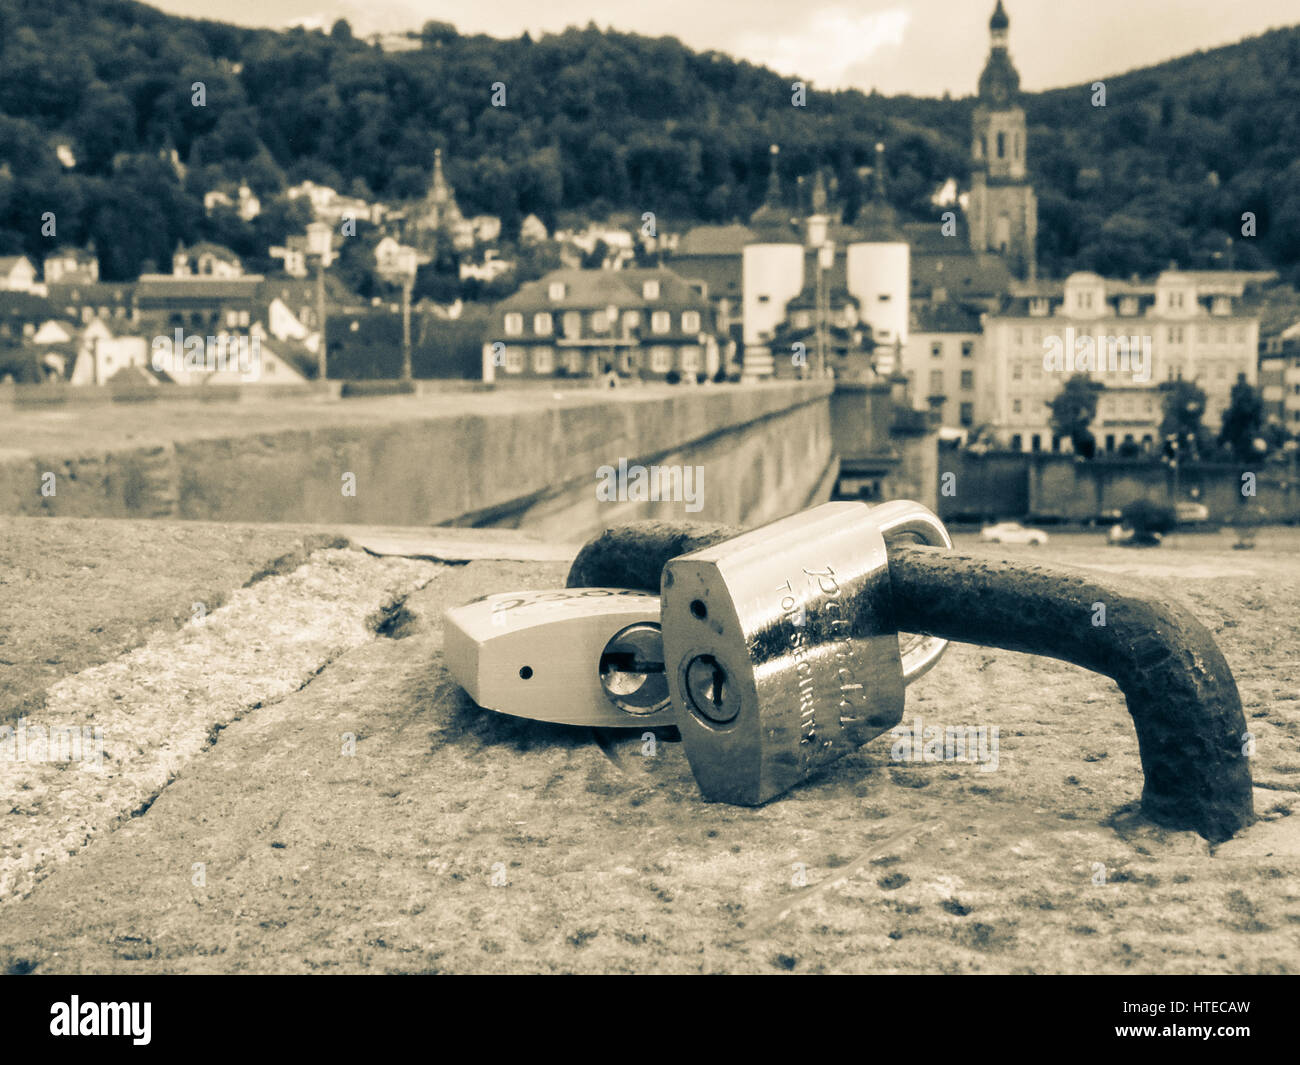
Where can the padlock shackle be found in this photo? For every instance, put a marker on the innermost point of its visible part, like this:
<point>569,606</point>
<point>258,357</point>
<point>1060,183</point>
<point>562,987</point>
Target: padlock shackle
<point>902,521</point>
<point>1179,689</point>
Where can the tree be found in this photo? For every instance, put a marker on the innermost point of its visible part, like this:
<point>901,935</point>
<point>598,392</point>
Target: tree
<point>1242,421</point>
<point>1184,407</point>
<point>1073,410</point>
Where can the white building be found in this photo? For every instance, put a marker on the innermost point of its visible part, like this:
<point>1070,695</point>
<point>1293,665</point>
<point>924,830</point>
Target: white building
<point>1130,337</point>
<point>17,274</point>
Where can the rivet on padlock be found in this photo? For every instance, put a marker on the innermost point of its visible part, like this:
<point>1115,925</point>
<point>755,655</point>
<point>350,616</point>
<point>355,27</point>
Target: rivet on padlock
<point>781,646</point>
<point>574,656</point>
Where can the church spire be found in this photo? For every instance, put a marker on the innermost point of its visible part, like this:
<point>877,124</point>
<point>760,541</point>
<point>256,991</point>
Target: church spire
<point>1000,82</point>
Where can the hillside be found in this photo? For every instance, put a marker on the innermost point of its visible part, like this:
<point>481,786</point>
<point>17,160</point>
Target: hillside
<point>597,121</point>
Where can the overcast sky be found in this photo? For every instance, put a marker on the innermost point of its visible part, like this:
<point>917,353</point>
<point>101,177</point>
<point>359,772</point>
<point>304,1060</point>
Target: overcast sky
<point>925,47</point>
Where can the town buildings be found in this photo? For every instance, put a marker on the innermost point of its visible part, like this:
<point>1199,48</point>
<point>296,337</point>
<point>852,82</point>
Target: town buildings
<point>643,323</point>
<point>1128,336</point>
<point>946,366</point>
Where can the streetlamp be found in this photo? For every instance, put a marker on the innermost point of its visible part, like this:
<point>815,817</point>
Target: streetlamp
<point>406,267</point>
<point>825,260</point>
<point>320,246</point>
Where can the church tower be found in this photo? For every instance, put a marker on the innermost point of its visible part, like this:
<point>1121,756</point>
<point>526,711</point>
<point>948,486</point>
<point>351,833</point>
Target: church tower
<point>1002,210</point>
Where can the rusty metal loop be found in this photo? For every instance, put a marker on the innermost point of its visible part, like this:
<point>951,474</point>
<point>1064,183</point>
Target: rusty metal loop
<point>1179,690</point>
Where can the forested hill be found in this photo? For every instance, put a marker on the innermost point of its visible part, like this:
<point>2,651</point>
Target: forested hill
<point>597,121</point>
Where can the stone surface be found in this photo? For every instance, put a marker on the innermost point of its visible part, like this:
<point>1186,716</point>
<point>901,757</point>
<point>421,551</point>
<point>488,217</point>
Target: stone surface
<point>458,840</point>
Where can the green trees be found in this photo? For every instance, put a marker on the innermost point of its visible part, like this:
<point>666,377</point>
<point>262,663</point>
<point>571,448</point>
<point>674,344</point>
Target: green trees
<point>1073,410</point>
<point>1183,406</point>
<point>1164,172</point>
<point>1243,421</point>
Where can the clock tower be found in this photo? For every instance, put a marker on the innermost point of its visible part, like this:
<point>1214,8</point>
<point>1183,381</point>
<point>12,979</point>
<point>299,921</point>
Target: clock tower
<point>1002,210</point>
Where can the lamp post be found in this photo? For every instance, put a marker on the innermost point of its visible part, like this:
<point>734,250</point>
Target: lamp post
<point>407,265</point>
<point>320,246</point>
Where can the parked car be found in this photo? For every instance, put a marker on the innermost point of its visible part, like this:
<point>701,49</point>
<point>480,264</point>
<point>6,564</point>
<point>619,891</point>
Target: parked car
<point>1012,532</point>
<point>1189,513</point>
<point>1122,534</point>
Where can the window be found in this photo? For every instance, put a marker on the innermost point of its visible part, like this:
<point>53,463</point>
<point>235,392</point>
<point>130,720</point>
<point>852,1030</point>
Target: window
<point>691,359</point>
<point>650,290</point>
<point>543,360</point>
<point>661,322</point>
<point>800,320</point>
<point>573,363</point>
<point>967,349</point>
<point>1175,300</point>
<point>542,324</point>
<point>631,319</point>
<point>599,322</point>
<point>936,382</point>
<point>556,290</point>
<point>1015,441</point>
<point>1039,306</point>
<point>232,318</point>
<point>1128,306</point>
<point>936,349</point>
<point>1017,371</point>
<point>968,414</point>
<point>572,324</point>
<point>1175,334</point>
<point>514,324</point>
<point>690,321</point>
<point>967,380</point>
<point>1002,144</point>
<point>243,318</point>
<point>1019,337</point>
<point>514,360</point>
<point>1015,409</point>
<point>884,297</point>
<point>661,359</point>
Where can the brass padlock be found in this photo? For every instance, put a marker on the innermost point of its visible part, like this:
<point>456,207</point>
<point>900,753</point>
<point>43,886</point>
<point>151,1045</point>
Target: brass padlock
<point>781,647</point>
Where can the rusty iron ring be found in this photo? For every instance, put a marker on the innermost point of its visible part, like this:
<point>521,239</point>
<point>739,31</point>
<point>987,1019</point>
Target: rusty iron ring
<point>1179,690</point>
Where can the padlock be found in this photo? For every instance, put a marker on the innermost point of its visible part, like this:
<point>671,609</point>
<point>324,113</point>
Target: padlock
<point>1179,689</point>
<point>781,647</point>
<point>574,656</point>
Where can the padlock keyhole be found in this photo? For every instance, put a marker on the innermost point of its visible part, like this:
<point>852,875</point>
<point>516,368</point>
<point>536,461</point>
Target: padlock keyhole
<point>710,690</point>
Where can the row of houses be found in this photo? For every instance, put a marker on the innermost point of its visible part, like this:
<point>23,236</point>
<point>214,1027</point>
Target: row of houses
<point>90,332</point>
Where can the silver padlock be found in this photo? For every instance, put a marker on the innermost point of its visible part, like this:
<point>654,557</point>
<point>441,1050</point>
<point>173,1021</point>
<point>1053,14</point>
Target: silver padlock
<point>781,648</point>
<point>573,656</point>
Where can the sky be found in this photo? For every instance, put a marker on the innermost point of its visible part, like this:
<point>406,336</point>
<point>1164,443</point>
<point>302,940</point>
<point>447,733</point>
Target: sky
<point>923,47</point>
